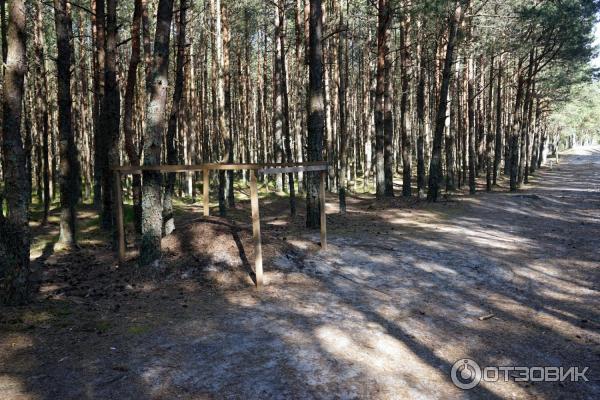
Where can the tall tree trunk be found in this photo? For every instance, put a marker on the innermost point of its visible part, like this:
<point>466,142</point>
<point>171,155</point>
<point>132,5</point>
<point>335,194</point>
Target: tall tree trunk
<point>525,118</point>
<point>536,139</point>
<point>435,166</point>
<point>228,112</point>
<point>514,132</point>
<point>388,116</point>
<point>14,231</point>
<point>343,118</point>
<point>155,122</point>
<point>100,151</point>
<point>316,111</point>
<point>282,111</point>
<point>404,106</point>
<point>421,174</point>
<point>221,102</point>
<point>110,118</point>
<point>128,108</point>
<point>278,117</point>
<point>69,167</point>
<point>381,133</point>
<point>489,133</point>
<point>172,156</point>
<point>498,144</point>
<point>42,107</point>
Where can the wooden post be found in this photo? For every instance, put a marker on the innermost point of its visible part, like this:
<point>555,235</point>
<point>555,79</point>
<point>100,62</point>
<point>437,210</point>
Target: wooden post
<point>258,266</point>
<point>206,191</point>
<point>323,214</point>
<point>120,228</point>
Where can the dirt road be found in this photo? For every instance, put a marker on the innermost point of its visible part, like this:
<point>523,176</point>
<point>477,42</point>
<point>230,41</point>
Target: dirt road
<point>404,292</point>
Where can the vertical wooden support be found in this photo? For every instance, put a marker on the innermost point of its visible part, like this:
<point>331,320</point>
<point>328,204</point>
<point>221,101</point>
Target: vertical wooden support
<point>206,191</point>
<point>323,214</point>
<point>258,265</point>
<point>120,227</point>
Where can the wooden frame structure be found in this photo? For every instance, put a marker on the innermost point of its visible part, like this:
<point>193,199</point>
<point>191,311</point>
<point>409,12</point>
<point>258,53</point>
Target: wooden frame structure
<point>272,168</point>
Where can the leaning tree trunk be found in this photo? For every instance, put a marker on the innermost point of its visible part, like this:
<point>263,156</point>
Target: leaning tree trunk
<point>155,123</point>
<point>172,154</point>
<point>435,165</point>
<point>14,231</point>
<point>316,111</point>
<point>69,167</point>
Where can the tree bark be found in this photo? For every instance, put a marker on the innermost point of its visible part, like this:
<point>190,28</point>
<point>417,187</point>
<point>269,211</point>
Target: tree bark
<point>343,111</point>
<point>155,122</point>
<point>435,166</point>
<point>514,132</point>
<point>489,133</point>
<point>128,108</point>
<point>316,111</point>
<point>69,166</point>
<point>172,153</point>
<point>110,119</point>
<point>404,106</point>
<point>498,144</point>
<point>14,230</point>
<point>100,151</point>
<point>421,173</point>
<point>42,108</point>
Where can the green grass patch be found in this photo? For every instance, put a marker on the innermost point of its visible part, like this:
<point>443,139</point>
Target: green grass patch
<point>138,329</point>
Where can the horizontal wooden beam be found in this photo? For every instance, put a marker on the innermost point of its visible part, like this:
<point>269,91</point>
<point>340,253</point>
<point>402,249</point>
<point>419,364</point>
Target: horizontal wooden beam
<point>271,167</point>
<point>287,170</point>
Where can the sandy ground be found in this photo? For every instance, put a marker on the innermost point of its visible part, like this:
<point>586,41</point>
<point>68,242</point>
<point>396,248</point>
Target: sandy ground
<point>405,290</point>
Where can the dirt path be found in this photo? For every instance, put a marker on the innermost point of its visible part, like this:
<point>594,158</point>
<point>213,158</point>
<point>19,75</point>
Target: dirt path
<point>384,314</point>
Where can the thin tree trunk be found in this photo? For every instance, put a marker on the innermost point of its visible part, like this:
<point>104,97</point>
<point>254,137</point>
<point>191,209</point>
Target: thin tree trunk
<point>100,151</point>
<point>128,121</point>
<point>42,107</point>
<point>489,133</point>
<point>278,117</point>
<point>498,144</point>
<point>404,105</point>
<point>285,109</point>
<point>514,132</point>
<point>343,118</point>
<point>421,174</point>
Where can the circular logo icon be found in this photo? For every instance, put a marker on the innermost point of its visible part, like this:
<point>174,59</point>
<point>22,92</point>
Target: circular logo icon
<point>466,374</point>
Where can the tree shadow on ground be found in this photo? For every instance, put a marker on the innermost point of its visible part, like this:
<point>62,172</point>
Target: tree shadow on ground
<point>381,315</point>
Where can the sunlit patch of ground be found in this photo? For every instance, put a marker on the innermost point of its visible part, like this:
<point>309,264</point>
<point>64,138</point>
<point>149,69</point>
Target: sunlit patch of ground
<point>405,290</point>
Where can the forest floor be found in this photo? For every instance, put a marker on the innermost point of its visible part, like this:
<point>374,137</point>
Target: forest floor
<point>405,290</point>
